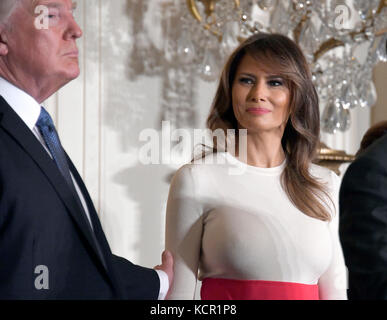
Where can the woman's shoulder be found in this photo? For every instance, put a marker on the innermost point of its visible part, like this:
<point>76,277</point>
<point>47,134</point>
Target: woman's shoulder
<point>206,162</point>
<point>211,165</point>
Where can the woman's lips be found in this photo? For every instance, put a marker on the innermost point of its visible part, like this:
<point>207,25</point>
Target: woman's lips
<point>258,110</point>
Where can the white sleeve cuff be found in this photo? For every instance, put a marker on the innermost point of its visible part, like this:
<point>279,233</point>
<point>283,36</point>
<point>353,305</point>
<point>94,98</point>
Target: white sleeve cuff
<point>164,284</point>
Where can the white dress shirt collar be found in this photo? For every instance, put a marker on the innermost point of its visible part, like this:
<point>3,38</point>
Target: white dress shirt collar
<point>26,107</point>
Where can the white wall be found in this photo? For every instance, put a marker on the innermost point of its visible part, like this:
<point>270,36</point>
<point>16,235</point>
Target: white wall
<point>99,117</point>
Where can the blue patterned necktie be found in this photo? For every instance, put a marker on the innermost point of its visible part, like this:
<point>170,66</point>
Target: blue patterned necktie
<point>50,136</point>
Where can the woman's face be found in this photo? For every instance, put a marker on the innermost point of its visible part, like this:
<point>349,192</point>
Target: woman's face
<point>260,100</point>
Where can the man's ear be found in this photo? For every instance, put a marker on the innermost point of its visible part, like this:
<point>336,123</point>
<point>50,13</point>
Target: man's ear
<point>3,41</point>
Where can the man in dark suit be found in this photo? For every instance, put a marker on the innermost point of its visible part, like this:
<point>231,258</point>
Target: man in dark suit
<point>363,222</point>
<point>52,245</point>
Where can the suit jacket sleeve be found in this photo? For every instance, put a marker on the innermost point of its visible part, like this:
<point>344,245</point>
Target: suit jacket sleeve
<point>137,281</point>
<point>363,227</point>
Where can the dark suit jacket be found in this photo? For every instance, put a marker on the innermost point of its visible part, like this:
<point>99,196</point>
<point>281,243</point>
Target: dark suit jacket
<point>363,222</point>
<point>42,223</point>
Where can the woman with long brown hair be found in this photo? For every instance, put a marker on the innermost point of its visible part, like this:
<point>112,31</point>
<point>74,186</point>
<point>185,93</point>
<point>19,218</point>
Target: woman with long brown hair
<point>271,231</point>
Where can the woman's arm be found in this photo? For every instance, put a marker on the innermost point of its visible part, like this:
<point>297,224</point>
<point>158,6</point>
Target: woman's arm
<point>333,283</point>
<point>184,228</point>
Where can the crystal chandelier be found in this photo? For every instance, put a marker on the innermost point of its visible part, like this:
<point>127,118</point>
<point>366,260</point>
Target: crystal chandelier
<point>342,41</point>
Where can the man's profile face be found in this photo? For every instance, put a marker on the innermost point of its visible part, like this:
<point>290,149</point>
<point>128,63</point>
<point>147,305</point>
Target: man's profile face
<point>48,54</point>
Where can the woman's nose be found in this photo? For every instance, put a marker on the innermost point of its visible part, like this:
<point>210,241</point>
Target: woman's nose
<point>258,92</point>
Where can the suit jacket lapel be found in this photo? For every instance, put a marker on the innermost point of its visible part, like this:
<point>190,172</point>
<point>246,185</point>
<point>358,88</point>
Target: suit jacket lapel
<point>11,122</point>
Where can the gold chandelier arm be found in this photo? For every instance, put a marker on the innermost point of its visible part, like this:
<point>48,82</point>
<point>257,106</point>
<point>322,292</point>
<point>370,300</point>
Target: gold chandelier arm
<point>209,9</point>
<point>298,28</point>
<point>194,10</point>
<point>333,43</point>
<point>382,4</point>
<point>325,47</point>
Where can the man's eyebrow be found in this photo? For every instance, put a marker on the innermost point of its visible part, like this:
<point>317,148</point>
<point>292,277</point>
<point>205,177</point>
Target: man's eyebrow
<point>60,5</point>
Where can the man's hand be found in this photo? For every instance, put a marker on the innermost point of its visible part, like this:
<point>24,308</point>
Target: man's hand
<point>167,267</point>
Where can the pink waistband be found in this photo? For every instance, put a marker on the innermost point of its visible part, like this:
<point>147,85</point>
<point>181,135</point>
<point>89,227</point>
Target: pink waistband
<point>230,289</point>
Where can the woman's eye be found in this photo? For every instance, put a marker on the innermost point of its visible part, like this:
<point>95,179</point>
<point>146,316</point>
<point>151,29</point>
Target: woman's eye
<point>246,80</point>
<point>275,83</point>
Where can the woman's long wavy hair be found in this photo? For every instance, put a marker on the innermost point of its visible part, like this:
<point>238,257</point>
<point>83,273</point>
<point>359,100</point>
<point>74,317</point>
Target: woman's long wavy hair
<point>301,134</point>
